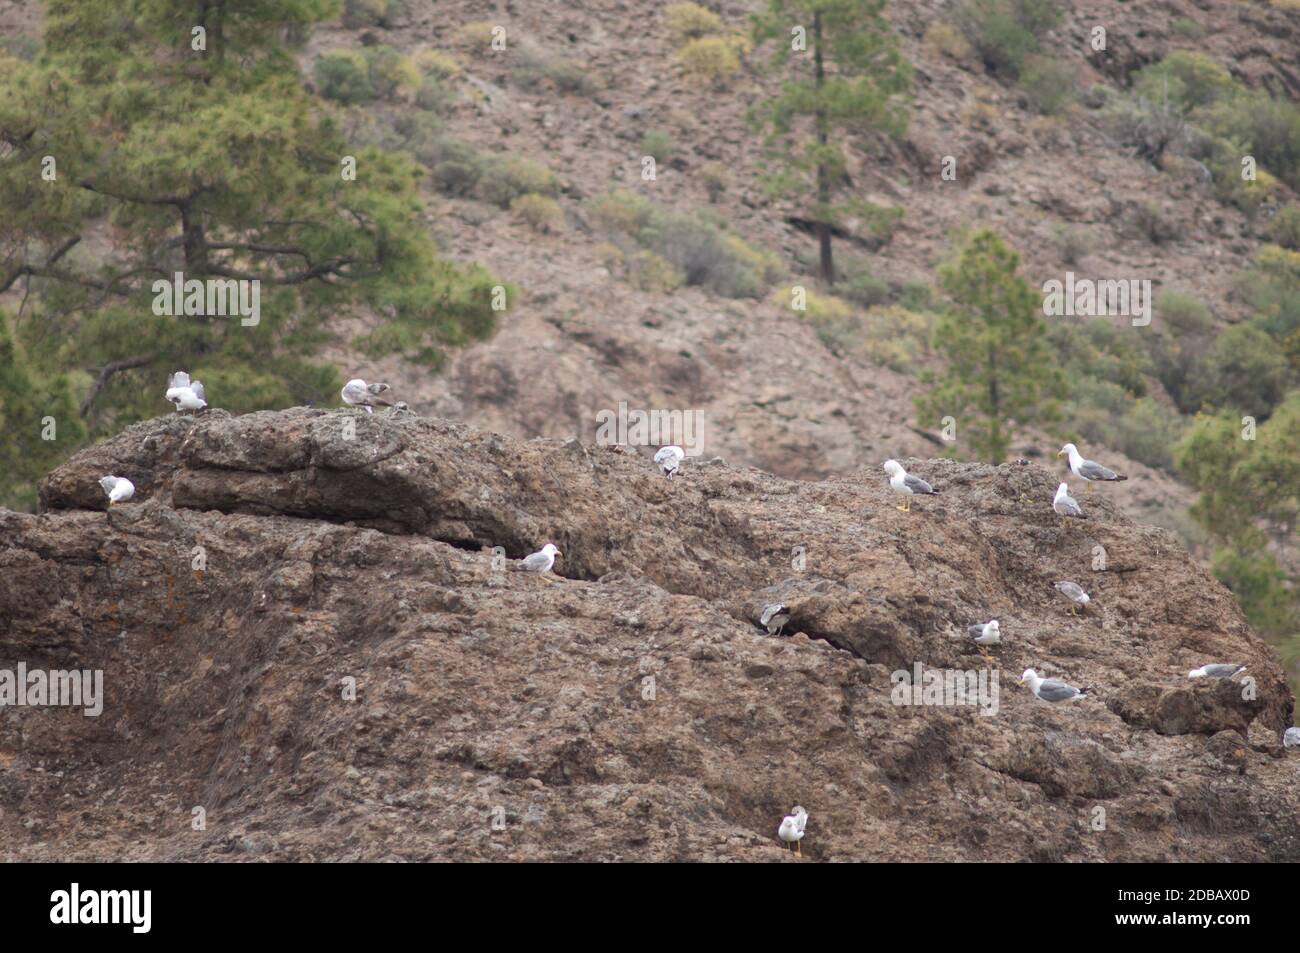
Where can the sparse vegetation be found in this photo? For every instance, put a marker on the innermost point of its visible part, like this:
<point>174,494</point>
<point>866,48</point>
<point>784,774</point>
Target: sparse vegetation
<point>539,212</point>
<point>1005,32</point>
<point>1049,84</point>
<point>712,57</point>
<point>690,21</point>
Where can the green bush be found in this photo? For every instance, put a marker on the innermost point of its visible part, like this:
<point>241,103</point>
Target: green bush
<point>505,179</point>
<point>1183,335</point>
<point>1246,371</point>
<point>1005,32</point>
<point>388,14</point>
<point>538,212</point>
<point>1186,78</point>
<point>657,143</point>
<point>1049,84</point>
<point>712,57</point>
<point>690,21</point>
<point>344,77</point>
<point>1284,228</point>
<point>434,96</point>
<point>701,251</point>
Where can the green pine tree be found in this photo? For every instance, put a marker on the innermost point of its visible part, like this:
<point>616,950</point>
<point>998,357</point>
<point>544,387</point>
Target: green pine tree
<point>849,79</point>
<point>1000,371</point>
<point>159,136</point>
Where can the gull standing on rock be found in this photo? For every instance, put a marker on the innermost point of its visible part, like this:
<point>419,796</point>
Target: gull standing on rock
<point>1074,592</point>
<point>669,459</point>
<point>1088,470</point>
<point>184,393</point>
<point>985,633</point>
<point>1216,671</point>
<point>901,482</point>
<point>1051,689</point>
<point>1065,506</point>
<point>119,489</point>
<point>792,828</point>
<point>357,393</point>
<point>775,616</point>
<point>540,562</point>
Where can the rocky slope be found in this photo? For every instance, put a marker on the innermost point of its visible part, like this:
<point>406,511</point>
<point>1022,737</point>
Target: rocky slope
<point>629,708</point>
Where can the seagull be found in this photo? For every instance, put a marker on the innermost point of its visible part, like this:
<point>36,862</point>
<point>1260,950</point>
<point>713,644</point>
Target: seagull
<point>774,617</point>
<point>1216,671</point>
<point>357,393</point>
<point>119,489</point>
<point>985,633</point>
<point>792,828</point>
<point>1074,592</point>
<point>900,482</point>
<point>1066,506</point>
<point>1051,689</point>
<point>541,561</point>
<point>1087,470</point>
<point>1291,738</point>
<point>670,458</point>
<point>184,393</point>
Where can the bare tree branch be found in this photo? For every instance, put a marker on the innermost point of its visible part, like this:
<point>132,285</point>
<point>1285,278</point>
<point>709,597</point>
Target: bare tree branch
<point>106,372</point>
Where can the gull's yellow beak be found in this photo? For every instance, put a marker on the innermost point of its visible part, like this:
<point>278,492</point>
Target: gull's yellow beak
<point>1061,453</point>
<point>1022,681</point>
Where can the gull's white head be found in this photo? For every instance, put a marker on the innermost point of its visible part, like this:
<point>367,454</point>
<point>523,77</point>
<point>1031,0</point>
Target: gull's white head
<point>1069,450</point>
<point>798,811</point>
<point>1062,492</point>
<point>550,550</point>
<point>993,626</point>
<point>1029,676</point>
<point>893,467</point>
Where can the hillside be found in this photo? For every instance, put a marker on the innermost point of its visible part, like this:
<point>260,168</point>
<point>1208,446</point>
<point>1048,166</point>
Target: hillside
<point>488,697</point>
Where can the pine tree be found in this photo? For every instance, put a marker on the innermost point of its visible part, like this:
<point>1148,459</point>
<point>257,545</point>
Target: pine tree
<point>162,136</point>
<point>1000,371</point>
<point>849,80</point>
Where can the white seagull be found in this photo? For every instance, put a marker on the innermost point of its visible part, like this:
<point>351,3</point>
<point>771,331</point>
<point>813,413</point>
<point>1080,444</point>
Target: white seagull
<point>1074,592</point>
<point>1291,738</point>
<point>357,393</point>
<point>184,393</point>
<point>119,489</point>
<point>669,459</point>
<point>792,828</point>
<point>1050,689</point>
<point>541,561</point>
<point>1088,470</point>
<point>901,482</point>
<point>985,633</point>
<point>1065,506</point>
<point>775,616</point>
<point>1216,671</point>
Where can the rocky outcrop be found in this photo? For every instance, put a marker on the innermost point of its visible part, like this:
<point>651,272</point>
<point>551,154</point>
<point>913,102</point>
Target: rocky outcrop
<point>306,631</point>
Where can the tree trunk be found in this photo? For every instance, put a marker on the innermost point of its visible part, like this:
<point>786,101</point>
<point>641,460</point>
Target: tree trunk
<point>823,174</point>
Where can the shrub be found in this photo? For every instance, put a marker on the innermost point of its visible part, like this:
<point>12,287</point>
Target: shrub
<point>344,77</point>
<point>711,57</point>
<point>832,318</point>
<point>535,65</point>
<point>703,253</point>
<point>1049,84</point>
<point>505,179</point>
<point>434,96</point>
<point>389,71</point>
<point>859,285</point>
<point>1187,27</point>
<point>538,212</point>
<point>1246,371</point>
<point>1005,32</point>
<point>610,255</point>
<point>657,143</point>
<point>1187,79</point>
<point>690,21</point>
<point>1184,330</point>
<point>714,177</point>
<point>897,338</point>
<point>651,272</point>
<point>436,63</point>
<point>1072,244</point>
<point>456,167</point>
<point>1284,228</point>
<point>945,40</point>
<point>382,13</point>
<point>1151,224</point>
<point>477,32</point>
